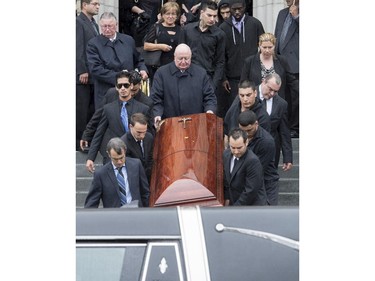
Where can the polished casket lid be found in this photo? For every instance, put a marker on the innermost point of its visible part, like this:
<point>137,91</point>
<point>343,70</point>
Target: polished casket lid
<point>188,166</point>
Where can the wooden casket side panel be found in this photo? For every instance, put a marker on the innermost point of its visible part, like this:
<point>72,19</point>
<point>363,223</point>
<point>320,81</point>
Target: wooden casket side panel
<point>188,162</point>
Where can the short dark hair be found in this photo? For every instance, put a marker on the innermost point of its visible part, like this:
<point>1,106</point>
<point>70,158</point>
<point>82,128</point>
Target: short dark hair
<point>247,117</point>
<point>85,1</point>
<point>116,144</point>
<point>123,74</point>
<point>236,133</point>
<point>209,5</point>
<point>247,84</point>
<point>138,118</point>
<point>135,77</point>
<point>243,2</point>
<point>224,6</point>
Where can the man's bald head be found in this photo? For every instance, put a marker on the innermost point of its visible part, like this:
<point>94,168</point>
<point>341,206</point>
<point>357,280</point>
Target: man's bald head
<point>182,57</point>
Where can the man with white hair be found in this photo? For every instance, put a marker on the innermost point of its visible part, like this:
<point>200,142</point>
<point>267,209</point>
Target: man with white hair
<point>108,54</point>
<point>181,88</point>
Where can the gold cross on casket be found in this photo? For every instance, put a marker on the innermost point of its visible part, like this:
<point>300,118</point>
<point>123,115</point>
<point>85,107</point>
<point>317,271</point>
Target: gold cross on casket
<point>184,120</point>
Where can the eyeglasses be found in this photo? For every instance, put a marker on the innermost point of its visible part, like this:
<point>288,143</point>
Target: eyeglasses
<point>120,85</point>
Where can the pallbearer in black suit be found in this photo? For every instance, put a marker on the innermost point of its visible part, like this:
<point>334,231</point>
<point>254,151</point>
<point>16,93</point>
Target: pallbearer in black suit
<point>135,80</point>
<point>263,145</point>
<point>246,100</point>
<point>277,108</point>
<point>139,142</point>
<point>115,119</point>
<point>120,182</point>
<point>243,173</point>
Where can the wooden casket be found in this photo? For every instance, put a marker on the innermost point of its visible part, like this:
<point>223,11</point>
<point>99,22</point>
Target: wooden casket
<point>188,165</point>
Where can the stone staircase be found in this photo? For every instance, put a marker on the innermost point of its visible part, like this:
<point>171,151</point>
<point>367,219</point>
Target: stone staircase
<point>289,181</point>
<point>288,192</point>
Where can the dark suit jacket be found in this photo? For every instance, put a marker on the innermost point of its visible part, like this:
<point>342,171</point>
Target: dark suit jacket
<point>175,93</point>
<point>84,32</point>
<point>263,145</point>
<point>231,117</point>
<point>290,48</point>
<point>133,150</point>
<point>280,130</point>
<point>105,186</point>
<point>245,185</point>
<point>111,126</point>
<point>252,71</point>
<point>106,59</point>
<point>109,97</point>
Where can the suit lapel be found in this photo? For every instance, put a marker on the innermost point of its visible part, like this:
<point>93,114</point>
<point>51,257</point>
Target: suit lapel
<point>227,158</point>
<point>88,24</point>
<point>274,106</point>
<point>112,176</point>
<point>291,30</point>
<point>237,167</point>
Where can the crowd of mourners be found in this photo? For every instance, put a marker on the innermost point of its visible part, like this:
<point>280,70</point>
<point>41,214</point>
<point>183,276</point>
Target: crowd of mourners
<point>196,56</point>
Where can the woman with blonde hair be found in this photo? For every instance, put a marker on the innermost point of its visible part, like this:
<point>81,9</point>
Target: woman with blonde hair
<point>258,66</point>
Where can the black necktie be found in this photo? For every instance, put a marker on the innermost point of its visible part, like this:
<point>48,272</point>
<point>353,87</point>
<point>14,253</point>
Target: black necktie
<point>140,146</point>
<point>95,26</point>
<point>264,103</point>
<point>234,164</point>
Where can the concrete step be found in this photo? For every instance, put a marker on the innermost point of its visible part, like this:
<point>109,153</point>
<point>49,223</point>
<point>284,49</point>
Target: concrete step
<point>295,158</point>
<point>295,144</point>
<point>288,199</point>
<point>292,173</point>
<point>83,184</point>
<point>288,185</point>
<point>81,170</point>
<point>82,157</point>
<point>80,200</point>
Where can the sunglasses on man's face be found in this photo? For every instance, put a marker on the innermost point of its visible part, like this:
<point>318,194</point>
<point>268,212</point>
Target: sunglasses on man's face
<point>120,85</point>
